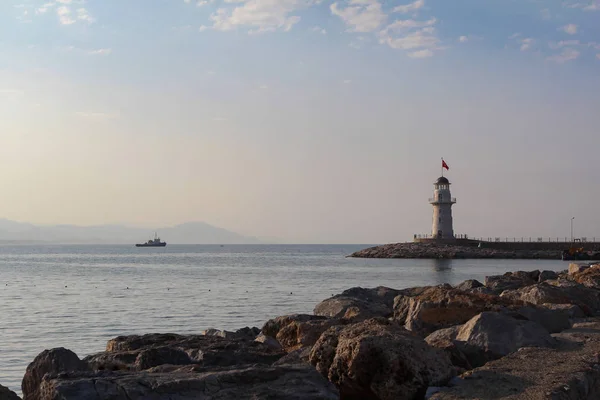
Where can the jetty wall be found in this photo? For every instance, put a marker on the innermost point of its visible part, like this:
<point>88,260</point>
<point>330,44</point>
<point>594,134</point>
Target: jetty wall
<point>515,244</point>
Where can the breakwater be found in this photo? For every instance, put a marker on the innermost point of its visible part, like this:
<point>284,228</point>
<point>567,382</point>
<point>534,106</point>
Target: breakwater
<point>471,250</point>
<point>521,335</point>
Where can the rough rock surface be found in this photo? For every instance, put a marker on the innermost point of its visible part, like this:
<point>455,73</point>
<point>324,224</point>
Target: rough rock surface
<point>49,362</point>
<point>138,353</point>
<point>469,284</point>
<point>293,382</point>
<point>378,359</point>
<point>558,292</point>
<point>7,394</point>
<point>298,330</point>
<point>589,276</point>
<point>511,280</point>
<point>490,336</point>
<point>571,371</point>
<point>554,320</point>
<point>445,251</point>
<point>442,306</point>
<point>357,304</point>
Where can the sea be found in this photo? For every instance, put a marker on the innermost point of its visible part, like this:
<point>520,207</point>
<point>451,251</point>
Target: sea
<point>80,296</point>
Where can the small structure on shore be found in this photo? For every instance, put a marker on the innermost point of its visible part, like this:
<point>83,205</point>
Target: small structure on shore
<point>442,202</point>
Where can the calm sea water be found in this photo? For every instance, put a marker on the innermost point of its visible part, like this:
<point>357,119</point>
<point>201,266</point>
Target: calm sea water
<point>79,297</point>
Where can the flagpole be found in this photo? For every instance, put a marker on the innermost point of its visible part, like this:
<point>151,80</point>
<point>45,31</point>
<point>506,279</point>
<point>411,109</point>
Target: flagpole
<point>442,166</point>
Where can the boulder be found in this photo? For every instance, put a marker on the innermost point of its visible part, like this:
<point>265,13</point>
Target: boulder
<point>269,341</point>
<point>365,303</point>
<point>248,333</point>
<point>299,330</point>
<point>49,362</point>
<point>379,359</point>
<point>547,275</point>
<point>7,394</point>
<point>553,320</point>
<point>300,356</point>
<point>469,284</point>
<point>489,336</point>
<point>441,307</point>
<point>572,310</point>
<point>445,339</point>
<point>284,382</point>
<point>558,292</point>
<point>589,277</point>
<point>511,280</point>
<point>575,268</point>
<point>137,353</point>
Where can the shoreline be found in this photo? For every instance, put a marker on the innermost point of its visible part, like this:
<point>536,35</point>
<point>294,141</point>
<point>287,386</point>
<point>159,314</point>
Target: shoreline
<point>439,342</point>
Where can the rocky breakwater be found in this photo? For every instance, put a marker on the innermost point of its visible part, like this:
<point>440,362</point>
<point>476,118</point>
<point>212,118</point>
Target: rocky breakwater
<point>447,251</point>
<point>521,335</point>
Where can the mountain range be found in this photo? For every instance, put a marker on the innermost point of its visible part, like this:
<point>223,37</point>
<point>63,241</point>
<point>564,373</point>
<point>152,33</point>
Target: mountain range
<point>187,233</point>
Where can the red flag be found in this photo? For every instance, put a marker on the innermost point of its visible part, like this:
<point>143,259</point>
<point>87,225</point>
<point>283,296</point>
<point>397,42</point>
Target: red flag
<point>444,165</point>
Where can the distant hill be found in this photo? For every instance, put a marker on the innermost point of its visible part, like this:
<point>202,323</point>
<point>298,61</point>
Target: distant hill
<point>187,233</point>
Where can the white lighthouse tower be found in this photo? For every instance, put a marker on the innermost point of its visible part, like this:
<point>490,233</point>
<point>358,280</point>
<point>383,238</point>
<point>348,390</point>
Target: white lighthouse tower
<point>442,210</point>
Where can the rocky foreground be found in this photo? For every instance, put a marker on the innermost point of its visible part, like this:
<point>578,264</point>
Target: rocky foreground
<point>521,335</point>
<point>447,251</point>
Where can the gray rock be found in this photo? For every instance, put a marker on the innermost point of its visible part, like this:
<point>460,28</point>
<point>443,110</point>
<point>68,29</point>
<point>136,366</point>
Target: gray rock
<point>269,341</point>
<point>440,307</point>
<point>547,275</point>
<point>361,303</point>
<point>511,280</point>
<point>558,292</point>
<point>298,330</point>
<point>489,336</point>
<point>49,362</point>
<point>378,359</point>
<point>572,310</point>
<point>284,382</point>
<point>136,353</point>
<point>469,284</point>
<point>553,320</point>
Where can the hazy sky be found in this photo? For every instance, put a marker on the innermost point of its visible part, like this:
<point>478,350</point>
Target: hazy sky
<point>302,120</point>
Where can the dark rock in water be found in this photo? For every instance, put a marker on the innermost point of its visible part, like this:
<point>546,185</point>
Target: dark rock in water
<point>358,304</point>
<point>469,284</point>
<point>7,394</point>
<point>443,306</point>
<point>52,361</point>
<point>378,359</point>
<point>511,280</point>
<point>141,352</point>
<point>284,382</point>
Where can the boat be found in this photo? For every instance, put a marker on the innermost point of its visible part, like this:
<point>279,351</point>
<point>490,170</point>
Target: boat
<point>579,254</point>
<point>152,242</point>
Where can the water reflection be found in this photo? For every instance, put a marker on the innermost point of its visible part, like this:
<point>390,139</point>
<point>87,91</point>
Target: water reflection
<point>443,270</point>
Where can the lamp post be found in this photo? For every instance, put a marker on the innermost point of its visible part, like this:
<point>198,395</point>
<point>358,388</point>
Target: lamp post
<point>572,228</point>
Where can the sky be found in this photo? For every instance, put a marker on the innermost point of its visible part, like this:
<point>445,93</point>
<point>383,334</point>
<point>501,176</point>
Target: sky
<point>302,121</point>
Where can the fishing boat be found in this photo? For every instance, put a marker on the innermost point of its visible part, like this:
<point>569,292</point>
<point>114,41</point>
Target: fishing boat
<point>152,242</point>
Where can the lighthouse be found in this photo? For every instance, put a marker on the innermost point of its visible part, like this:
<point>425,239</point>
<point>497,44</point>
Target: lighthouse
<point>442,203</point>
